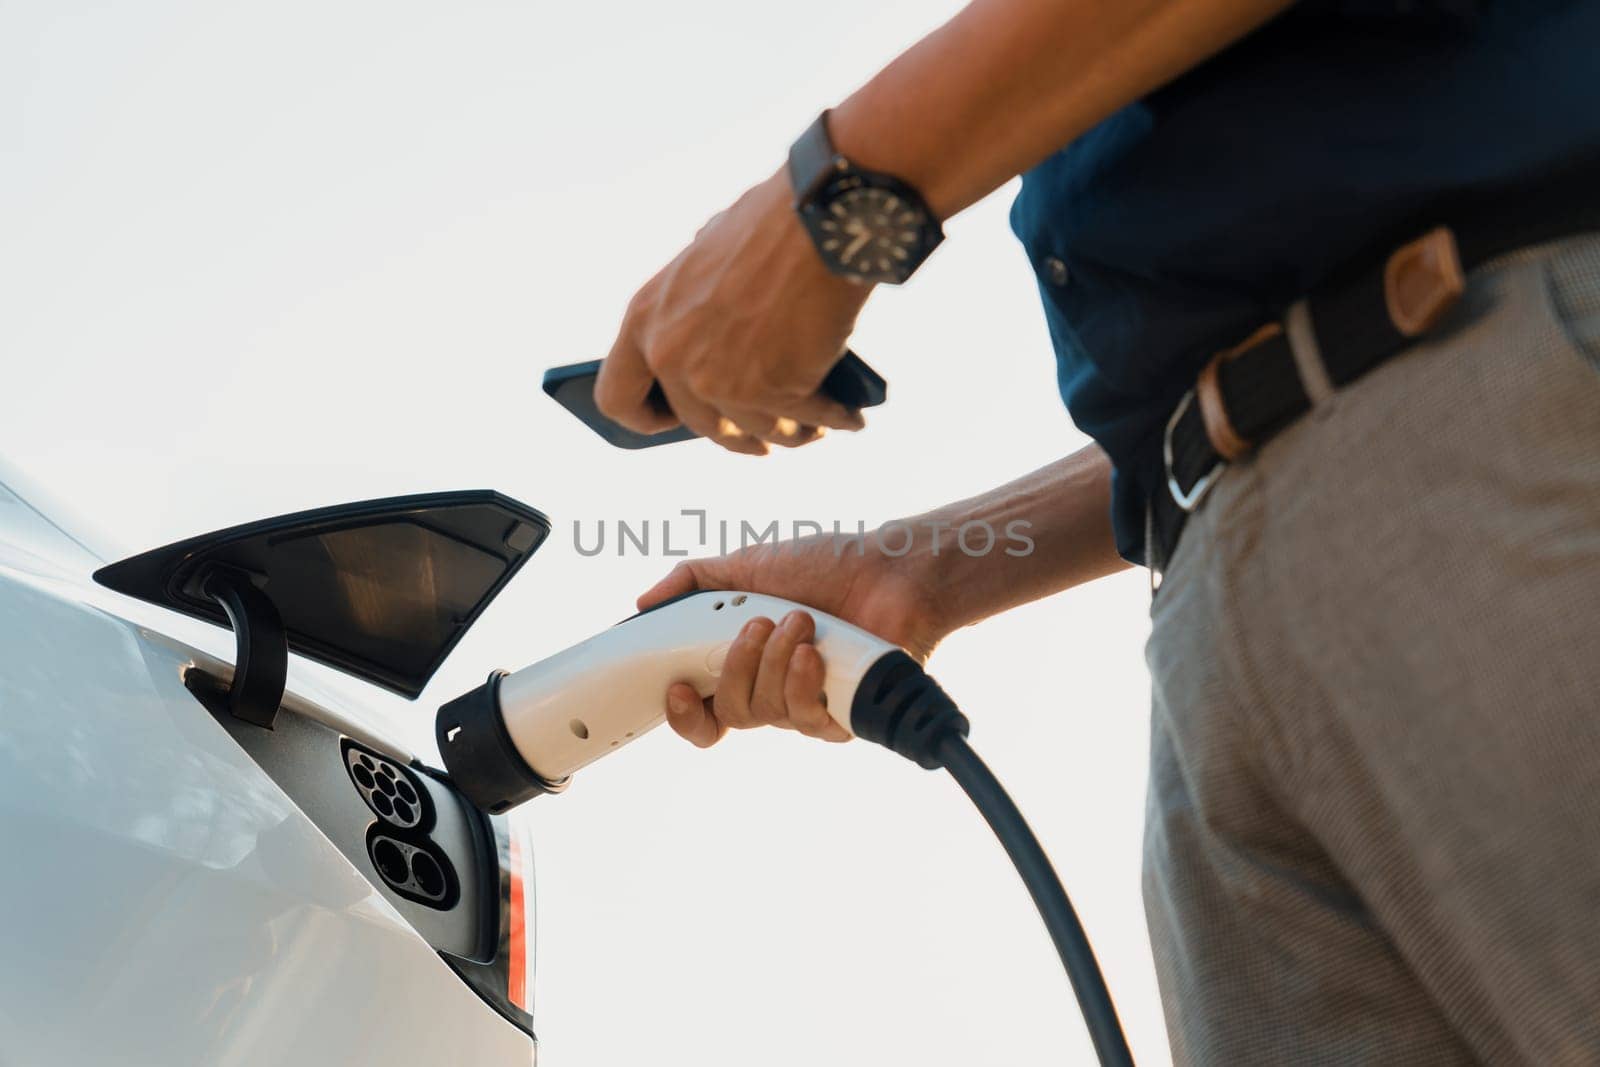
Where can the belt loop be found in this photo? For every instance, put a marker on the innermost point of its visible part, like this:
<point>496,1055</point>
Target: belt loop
<point>1302,335</point>
<point>1422,281</point>
<point>1207,393</point>
<point>1152,550</point>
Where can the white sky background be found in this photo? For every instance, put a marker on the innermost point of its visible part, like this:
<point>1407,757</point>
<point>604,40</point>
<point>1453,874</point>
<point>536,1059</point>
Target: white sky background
<point>260,257</point>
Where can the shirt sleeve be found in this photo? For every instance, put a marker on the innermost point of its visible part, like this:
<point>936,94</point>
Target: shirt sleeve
<point>1462,11</point>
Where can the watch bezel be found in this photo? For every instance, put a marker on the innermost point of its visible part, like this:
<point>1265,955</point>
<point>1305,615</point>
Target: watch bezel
<point>817,204</point>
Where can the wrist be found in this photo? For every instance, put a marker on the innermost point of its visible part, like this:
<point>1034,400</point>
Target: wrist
<point>865,139</point>
<point>941,560</point>
<point>955,559</point>
<point>1038,535</point>
<point>867,225</point>
<point>801,261</point>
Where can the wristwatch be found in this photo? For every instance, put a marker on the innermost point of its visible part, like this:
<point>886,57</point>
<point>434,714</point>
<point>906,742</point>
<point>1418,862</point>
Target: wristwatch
<point>867,226</point>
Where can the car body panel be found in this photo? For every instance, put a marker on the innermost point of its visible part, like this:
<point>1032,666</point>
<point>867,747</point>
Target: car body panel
<point>164,901</point>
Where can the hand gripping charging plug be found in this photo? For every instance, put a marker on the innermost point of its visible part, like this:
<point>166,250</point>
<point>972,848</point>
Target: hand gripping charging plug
<point>522,734</point>
<point>526,733</point>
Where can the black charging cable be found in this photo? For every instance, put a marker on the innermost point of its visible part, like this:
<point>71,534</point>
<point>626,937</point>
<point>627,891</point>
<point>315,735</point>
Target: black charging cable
<point>900,707</point>
<point>998,810</point>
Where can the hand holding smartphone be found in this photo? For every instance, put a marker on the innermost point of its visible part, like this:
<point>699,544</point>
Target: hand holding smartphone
<point>851,383</point>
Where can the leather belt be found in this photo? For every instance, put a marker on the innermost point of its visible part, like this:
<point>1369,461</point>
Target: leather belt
<point>1249,392</point>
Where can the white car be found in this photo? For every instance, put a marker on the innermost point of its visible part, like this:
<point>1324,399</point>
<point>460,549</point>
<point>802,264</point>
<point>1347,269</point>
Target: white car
<point>203,868</point>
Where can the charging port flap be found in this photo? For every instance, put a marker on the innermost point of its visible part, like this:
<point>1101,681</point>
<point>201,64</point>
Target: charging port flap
<point>381,589</point>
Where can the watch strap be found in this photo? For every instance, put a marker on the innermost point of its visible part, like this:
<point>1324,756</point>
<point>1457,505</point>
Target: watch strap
<point>812,160</point>
<point>824,181</point>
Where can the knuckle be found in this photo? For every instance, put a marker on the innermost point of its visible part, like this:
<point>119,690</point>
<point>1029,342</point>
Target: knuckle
<point>664,350</point>
<point>761,424</point>
<point>639,303</point>
<point>704,383</point>
<point>813,725</point>
<point>731,711</point>
<point>754,634</point>
<point>807,715</point>
<point>660,358</point>
<point>763,708</point>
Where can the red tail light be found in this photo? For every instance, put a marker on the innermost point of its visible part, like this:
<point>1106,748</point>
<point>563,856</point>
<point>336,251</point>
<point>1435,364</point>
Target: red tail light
<point>519,962</point>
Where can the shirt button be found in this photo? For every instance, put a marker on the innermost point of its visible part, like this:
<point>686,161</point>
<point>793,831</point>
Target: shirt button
<point>1056,271</point>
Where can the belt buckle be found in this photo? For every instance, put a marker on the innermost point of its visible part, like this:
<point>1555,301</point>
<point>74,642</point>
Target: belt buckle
<point>1225,440</point>
<point>1197,492</point>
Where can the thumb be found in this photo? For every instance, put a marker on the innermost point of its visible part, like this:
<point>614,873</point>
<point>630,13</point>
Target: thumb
<point>686,577</point>
<point>622,388</point>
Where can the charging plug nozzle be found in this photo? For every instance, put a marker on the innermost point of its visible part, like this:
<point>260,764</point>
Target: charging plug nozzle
<point>480,755</point>
<point>899,706</point>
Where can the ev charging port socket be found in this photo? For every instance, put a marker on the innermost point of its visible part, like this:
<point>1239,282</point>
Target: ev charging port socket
<point>413,867</point>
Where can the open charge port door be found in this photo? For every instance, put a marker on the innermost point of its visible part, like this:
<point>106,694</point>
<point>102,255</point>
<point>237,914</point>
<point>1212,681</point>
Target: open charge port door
<point>381,590</point>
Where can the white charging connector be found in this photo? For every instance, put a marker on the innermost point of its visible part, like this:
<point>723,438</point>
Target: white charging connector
<point>526,733</point>
<point>569,710</point>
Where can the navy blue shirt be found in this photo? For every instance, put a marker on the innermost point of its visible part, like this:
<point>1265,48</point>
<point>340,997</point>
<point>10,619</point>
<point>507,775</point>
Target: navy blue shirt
<point>1182,222</point>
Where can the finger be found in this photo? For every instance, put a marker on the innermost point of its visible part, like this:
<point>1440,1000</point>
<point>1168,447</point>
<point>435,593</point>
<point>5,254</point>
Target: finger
<point>622,389</point>
<point>782,431</point>
<point>709,423</point>
<point>802,694</point>
<point>712,221</point>
<point>818,410</point>
<point>690,719</point>
<point>766,698</point>
<point>714,572</point>
<point>804,435</point>
<point>731,705</point>
<point>752,422</point>
<point>678,581</point>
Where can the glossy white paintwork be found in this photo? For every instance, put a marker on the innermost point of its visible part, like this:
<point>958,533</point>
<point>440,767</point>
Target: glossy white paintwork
<point>161,900</point>
<point>568,710</point>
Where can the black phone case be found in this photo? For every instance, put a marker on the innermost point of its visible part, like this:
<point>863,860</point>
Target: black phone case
<point>851,383</point>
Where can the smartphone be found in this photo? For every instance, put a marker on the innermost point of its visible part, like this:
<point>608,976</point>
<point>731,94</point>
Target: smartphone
<point>851,383</point>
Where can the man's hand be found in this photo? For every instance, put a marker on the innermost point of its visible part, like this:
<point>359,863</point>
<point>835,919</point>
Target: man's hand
<point>742,327</point>
<point>773,673</point>
<point>739,330</point>
<point>1056,527</point>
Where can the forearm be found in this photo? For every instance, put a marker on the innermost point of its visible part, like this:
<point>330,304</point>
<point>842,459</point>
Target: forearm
<point>1007,82</point>
<point>1063,509</point>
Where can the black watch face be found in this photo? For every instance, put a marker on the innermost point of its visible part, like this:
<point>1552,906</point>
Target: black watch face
<point>871,233</point>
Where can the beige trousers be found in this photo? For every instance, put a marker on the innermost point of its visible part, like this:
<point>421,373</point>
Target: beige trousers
<point>1373,832</point>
